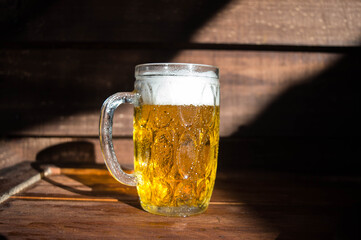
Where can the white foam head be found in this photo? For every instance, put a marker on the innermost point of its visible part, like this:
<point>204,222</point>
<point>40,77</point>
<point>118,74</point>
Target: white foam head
<point>170,86</point>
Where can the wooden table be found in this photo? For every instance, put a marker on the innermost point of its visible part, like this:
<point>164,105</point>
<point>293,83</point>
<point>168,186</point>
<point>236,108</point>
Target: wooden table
<point>290,100</point>
<point>87,202</point>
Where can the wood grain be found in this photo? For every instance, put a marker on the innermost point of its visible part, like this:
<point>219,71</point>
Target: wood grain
<point>244,205</point>
<point>293,154</point>
<point>120,220</point>
<point>289,114</point>
<point>16,178</point>
<point>322,23</point>
<point>284,23</point>
<point>60,92</point>
<point>61,151</point>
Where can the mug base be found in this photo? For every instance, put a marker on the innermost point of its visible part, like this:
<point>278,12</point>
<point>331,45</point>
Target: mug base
<point>182,211</point>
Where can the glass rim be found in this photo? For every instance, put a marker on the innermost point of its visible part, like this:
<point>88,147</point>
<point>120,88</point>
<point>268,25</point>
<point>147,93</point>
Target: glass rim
<point>176,69</point>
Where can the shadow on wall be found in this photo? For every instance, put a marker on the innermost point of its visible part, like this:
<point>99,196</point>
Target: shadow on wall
<point>311,127</point>
<point>63,58</point>
<point>305,149</point>
<point>70,154</point>
<point>2,237</point>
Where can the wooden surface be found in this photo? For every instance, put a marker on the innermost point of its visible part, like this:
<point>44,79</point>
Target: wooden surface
<point>16,178</point>
<point>60,151</point>
<point>287,68</point>
<point>295,154</point>
<point>45,96</point>
<point>290,114</point>
<point>293,22</point>
<point>89,203</point>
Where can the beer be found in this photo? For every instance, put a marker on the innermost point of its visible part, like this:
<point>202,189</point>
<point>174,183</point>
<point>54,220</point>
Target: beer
<point>176,148</point>
<point>176,136</point>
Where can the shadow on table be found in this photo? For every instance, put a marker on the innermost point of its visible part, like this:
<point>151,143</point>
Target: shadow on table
<point>2,237</point>
<point>76,160</point>
<point>305,156</point>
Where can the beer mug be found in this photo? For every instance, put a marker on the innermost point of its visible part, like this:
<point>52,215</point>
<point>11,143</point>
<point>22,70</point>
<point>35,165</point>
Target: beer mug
<point>175,134</point>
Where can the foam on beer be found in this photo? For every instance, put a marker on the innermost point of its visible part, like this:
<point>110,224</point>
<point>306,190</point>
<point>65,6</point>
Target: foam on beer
<point>178,88</point>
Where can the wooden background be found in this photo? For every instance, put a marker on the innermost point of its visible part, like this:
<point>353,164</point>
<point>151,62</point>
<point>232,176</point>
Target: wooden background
<point>289,72</point>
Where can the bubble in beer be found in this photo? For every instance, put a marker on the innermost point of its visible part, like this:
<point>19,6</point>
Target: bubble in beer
<point>181,167</point>
<point>176,135</point>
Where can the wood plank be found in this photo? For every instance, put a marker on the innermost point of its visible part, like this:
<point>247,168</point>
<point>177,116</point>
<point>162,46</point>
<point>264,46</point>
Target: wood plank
<point>324,23</point>
<point>61,151</point>
<point>232,188</point>
<point>270,205</point>
<point>80,184</point>
<point>120,220</point>
<point>321,155</point>
<point>284,23</point>
<point>60,92</point>
<point>15,179</point>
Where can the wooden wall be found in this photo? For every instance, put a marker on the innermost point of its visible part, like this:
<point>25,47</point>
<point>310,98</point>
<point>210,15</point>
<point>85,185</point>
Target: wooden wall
<point>290,73</point>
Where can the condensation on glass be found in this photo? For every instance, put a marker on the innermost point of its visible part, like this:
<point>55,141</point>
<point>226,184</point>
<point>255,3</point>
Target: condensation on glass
<point>176,136</point>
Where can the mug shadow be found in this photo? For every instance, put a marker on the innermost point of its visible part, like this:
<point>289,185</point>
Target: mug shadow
<point>76,171</point>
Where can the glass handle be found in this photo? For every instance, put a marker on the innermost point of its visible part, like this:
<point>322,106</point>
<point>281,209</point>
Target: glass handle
<point>105,134</point>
